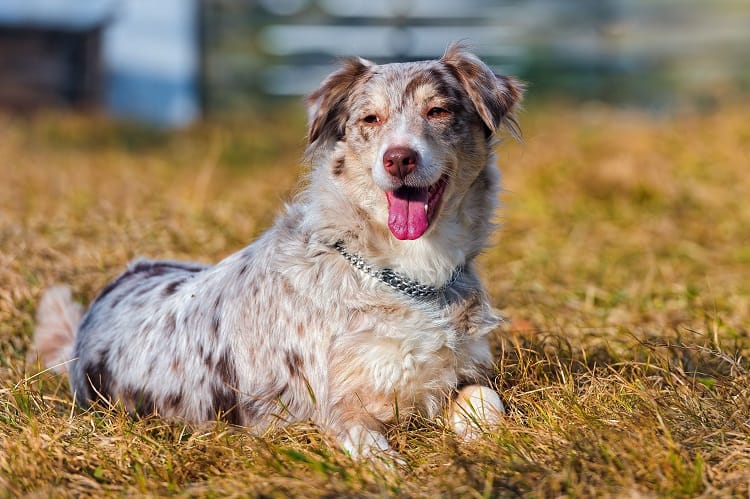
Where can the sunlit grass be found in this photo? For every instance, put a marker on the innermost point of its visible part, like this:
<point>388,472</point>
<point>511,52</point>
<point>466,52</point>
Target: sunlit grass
<point>622,265</point>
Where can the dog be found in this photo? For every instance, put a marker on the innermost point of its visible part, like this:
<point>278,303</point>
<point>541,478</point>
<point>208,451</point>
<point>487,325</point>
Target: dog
<point>361,302</point>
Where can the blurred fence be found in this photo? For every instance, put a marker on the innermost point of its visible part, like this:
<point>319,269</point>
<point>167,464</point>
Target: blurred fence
<point>640,51</point>
<point>167,62</point>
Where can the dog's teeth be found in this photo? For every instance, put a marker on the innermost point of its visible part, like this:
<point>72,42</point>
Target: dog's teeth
<point>425,208</point>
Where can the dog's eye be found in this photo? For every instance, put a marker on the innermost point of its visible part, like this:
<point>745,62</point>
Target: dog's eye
<point>438,112</point>
<point>371,119</point>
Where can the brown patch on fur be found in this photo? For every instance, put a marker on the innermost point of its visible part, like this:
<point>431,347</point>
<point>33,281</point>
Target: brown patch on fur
<point>474,316</point>
<point>207,357</point>
<point>435,79</point>
<point>216,321</point>
<point>338,166</point>
<point>366,132</point>
<point>226,370</point>
<point>495,97</point>
<point>286,286</point>
<point>224,406</point>
<point>99,377</point>
<point>294,363</point>
<point>159,268</point>
<point>170,325</point>
<point>465,319</point>
<point>173,401</point>
<point>225,396</point>
<point>329,102</point>
<point>172,287</point>
<point>138,401</point>
<point>383,310</point>
<point>113,285</point>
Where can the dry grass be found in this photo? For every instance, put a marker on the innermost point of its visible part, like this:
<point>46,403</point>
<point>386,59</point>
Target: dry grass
<point>623,266</point>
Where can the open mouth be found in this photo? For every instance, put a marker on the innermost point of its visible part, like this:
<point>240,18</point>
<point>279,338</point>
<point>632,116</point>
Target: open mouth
<point>411,210</point>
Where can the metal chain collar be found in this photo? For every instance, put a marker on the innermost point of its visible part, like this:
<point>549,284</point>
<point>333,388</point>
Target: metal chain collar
<point>397,281</point>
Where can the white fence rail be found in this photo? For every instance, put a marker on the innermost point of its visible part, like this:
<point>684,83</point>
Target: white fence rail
<point>606,48</point>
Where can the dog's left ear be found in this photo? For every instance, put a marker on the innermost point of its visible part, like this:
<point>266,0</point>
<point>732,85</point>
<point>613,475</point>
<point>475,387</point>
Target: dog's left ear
<point>326,106</point>
<point>495,97</point>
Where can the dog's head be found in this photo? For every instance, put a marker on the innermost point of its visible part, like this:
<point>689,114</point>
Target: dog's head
<point>417,135</point>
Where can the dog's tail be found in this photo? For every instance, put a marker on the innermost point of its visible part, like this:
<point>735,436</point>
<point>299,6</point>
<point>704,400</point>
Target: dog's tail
<point>57,319</point>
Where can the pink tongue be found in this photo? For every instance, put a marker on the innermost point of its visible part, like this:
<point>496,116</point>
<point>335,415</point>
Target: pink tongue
<point>406,215</point>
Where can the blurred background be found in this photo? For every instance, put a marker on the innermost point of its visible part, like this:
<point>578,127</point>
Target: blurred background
<point>172,62</point>
<point>174,129</point>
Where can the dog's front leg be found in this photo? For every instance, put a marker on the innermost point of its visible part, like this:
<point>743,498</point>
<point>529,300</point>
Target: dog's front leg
<point>474,408</point>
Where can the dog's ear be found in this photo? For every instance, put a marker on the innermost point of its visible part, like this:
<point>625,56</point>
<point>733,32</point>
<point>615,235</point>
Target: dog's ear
<point>327,106</point>
<point>495,97</point>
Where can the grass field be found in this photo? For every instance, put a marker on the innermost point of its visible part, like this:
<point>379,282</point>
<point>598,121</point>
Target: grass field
<point>623,265</point>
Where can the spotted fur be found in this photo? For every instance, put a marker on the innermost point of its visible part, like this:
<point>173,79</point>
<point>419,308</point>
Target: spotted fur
<point>286,329</point>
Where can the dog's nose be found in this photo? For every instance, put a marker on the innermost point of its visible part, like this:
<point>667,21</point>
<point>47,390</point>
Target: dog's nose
<point>400,161</point>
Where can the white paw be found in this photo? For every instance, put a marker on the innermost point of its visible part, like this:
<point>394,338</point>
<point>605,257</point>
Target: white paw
<point>360,442</point>
<point>474,408</point>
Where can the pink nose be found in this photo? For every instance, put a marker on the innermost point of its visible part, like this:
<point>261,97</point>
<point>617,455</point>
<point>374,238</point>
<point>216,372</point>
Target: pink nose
<point>400,161</point>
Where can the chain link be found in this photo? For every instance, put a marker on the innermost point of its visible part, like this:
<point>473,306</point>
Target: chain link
<point>395,280</point>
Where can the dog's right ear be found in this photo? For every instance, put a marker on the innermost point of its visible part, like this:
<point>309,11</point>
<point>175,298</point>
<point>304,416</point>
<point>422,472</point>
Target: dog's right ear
<point>327,106</point>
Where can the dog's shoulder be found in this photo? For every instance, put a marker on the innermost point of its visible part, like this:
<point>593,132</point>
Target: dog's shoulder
<point>473,314</point>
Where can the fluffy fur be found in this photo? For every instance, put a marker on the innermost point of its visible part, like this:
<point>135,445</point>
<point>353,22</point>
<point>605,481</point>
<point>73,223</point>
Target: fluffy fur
<point>287,329</point>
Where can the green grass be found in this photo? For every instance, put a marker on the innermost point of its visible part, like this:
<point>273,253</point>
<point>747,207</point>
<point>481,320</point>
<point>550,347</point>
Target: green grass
<point>622,265</point>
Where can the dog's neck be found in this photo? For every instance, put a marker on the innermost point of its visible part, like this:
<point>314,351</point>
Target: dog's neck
<point>399,282</point>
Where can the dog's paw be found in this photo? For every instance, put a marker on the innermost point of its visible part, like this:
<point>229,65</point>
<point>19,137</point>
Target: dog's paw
<point>362,443</point>
<point>474,408</point>
<point>359,441</point>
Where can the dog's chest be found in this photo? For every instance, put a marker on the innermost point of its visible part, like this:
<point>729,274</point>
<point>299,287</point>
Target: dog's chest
<point>399,350</point>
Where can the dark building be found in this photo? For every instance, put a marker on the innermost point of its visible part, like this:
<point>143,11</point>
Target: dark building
<point>136,59</point>
<point>51,60</point>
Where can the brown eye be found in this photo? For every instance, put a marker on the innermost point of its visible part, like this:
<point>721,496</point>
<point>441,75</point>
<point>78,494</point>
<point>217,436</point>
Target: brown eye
<point>438,112</point>
<point>371,119</point>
